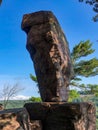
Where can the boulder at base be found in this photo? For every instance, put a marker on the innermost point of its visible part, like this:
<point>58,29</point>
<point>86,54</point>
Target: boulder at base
<point>14,119</point>
<point>63,116</point>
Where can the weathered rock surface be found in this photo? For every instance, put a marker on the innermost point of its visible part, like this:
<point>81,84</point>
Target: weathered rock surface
<point>49,51</point>
<point>63,116</point>
<point>1,107</point>
<point>14,119</point>
<point>36,125</point>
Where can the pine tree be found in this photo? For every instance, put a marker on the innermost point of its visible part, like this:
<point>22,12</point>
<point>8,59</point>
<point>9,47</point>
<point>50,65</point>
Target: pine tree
<point>86,68</point>
<point>83,68</point>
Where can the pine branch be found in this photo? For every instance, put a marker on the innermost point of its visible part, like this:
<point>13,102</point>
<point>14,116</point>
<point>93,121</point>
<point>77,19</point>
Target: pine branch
<point>87,68</point>
<point>34,78</point>
<point>81,50</point>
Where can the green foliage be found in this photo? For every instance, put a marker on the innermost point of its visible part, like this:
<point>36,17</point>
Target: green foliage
<point>81,49</point>
<point>73,94</point>
<point>87,68</point>
<point>92,89</point>
<point>35,99</point>
<point>15,103</point>
<point>34,78</point>
<point>83,68</point>
<point>96,94</point>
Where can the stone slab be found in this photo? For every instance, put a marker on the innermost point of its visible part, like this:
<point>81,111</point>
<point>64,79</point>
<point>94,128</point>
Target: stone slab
<point>63,116</point>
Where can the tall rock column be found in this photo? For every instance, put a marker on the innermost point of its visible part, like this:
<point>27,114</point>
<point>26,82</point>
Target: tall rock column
<point>49,51</point>
<point>50,54</point>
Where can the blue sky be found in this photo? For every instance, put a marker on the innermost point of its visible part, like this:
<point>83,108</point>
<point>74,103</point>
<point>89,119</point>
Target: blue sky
<point>15,64</point>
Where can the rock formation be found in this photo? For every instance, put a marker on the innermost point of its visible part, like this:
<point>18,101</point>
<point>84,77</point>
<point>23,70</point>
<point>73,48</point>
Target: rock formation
<point>49,51</point>
<point>14,119</point>
<point>1,107</point>
<point>63,116</point>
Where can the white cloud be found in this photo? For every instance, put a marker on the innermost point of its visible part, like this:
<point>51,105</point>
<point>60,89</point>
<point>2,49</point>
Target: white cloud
<point>20,97</point>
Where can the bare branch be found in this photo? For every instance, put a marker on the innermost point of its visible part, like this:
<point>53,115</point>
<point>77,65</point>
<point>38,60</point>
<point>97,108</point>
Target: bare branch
<point>9,91</point>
